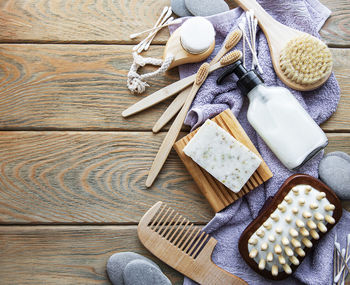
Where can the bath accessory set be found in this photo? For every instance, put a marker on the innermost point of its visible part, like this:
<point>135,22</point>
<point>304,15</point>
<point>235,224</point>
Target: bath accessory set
<point>231,41</point>
<point>175,128</point>
<point>194,41</point>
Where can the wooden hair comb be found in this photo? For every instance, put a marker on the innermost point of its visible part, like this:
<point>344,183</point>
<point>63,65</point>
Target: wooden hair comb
<point>182,245</point>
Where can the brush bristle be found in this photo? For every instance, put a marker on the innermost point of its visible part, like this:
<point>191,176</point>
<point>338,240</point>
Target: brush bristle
<point>292,226</point>
<point>202,73</point>
<point>306,60</point>
<point>231,57</point>
<point>233,39</point>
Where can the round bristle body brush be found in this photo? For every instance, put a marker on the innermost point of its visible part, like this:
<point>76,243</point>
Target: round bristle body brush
<point>300,60</point>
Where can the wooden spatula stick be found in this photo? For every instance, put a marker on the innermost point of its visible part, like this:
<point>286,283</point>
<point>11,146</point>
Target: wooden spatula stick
<point>172,134</point>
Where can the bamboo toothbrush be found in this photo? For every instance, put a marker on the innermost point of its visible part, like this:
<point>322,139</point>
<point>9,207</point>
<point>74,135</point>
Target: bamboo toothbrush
<point>171,90</point>
<point>174,130</point>
<point>300,60</point>
<point>171,136</point>
<point>232,40</point>
<point>181,245</point>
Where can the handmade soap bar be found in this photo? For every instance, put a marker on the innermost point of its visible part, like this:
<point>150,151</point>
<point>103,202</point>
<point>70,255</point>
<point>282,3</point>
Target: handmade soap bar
<point>222,156</point>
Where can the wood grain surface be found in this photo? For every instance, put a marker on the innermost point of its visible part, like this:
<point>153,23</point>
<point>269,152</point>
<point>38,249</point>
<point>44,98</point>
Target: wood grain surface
<point>66,254</point>
<point>336,31</point>
<point>92,21</point>
<point>72,170</point>
<point>95,178</point>
<point>83,87</point>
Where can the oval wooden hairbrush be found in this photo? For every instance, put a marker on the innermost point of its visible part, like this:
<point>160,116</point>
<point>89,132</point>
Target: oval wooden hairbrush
<point>300,60</point>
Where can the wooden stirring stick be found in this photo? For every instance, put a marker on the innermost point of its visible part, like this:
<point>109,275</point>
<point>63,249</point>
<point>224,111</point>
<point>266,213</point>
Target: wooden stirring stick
<point>174,130</point>
<point>232,40</point>
<point>171,136</point>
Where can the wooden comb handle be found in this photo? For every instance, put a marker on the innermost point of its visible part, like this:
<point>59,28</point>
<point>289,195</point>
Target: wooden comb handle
<point>214,275</point>
<point>220,276</point>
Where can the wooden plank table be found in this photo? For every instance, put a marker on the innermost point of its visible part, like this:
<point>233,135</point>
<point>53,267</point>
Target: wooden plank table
<point>72,170</point>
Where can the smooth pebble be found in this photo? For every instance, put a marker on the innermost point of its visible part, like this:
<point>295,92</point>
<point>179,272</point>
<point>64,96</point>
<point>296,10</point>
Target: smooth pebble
<point>140,272</point>
<point>334,170</point>
<point>179,8</point>
<point>117,263</point>
<point>206,7</point>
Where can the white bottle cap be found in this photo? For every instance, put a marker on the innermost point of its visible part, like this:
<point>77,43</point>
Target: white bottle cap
<point>197,35</point>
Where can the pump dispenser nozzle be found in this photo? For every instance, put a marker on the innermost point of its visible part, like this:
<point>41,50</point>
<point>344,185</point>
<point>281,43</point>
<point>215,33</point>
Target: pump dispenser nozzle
<point>247,80</point>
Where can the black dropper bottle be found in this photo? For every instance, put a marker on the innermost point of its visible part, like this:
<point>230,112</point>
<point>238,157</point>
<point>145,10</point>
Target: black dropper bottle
<point>247,80</point>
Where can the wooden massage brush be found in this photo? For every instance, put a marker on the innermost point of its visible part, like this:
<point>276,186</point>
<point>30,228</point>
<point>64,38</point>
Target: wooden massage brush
<point>175,128</point>
<point>299,215</point>
<point>300,60</point>
<point>232,40</point>
<point>182,84</point>
<point>180,244</point>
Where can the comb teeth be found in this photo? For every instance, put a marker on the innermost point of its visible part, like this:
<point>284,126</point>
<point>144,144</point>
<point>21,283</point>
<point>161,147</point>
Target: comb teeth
<point>178,231</point>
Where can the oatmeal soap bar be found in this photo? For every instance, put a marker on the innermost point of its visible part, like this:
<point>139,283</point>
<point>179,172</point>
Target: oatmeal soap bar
<point>225,158</point>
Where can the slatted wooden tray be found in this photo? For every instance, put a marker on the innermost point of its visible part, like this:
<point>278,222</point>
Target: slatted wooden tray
<point>217,194</point>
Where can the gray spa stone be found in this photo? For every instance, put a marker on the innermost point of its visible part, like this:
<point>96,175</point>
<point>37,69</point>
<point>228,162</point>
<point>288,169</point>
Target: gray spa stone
<point>206,7</point>
<point>117,263</point>
<point>334,170</point>
<point>140,272</point>
<point>179,8</point>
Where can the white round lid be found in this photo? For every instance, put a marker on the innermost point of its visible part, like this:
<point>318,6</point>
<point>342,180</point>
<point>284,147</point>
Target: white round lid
<point>197,34</point>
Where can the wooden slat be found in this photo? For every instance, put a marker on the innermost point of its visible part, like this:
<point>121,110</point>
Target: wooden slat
<point>71,87</point>
<point>341,119</point>
<point>113,21</point>
<point>66,255</point>
<point>336,31</point>
<point>95,177</point>
<point>80,87</point>
<point>89,177</point>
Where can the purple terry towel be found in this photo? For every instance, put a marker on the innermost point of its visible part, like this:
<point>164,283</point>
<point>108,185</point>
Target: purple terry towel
<point>227,226</point>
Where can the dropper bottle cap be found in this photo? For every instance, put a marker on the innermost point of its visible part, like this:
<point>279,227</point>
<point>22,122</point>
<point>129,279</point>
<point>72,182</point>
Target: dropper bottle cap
<point>247,80</point>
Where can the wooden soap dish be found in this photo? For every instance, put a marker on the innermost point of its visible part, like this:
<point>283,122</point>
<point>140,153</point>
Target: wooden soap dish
<point>217,194</point>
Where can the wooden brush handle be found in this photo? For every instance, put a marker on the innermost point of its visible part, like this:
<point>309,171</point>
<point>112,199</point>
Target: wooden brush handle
<point>174,131</point>
<point>170,139</point>
<point>172,110</point>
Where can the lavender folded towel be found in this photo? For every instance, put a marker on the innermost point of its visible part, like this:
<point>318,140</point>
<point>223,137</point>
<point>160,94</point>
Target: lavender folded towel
<point>227,226</point>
